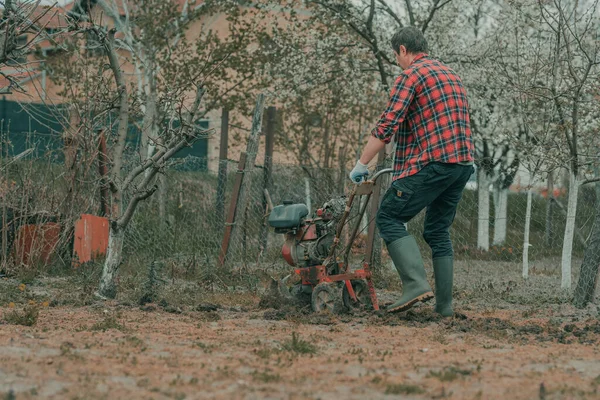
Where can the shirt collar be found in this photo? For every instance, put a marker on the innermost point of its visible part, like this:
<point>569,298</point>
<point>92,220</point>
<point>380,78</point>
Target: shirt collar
<point>418,57</point>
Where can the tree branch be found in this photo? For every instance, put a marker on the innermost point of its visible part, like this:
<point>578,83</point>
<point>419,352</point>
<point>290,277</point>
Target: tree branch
<point>154,169</point>
<point>391,13</point>
<point>591,180</point>
<point>160,157</point>
<point>124,220</point>
<point>365,35</point>
<point>411,14</point>
<point>434,9</point>
<point>370,17</point>
<point>108,41</point>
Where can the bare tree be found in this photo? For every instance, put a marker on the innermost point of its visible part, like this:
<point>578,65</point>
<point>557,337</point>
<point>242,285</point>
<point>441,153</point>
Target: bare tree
<point>573,66</point>
<point>141,178</point>
<point>551,69</point>
<point>101,95</point>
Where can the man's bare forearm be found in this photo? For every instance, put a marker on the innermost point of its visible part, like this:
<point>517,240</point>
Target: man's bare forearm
<point>373,147</point>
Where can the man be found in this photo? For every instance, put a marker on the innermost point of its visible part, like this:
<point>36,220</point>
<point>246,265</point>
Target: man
<point>428,117</point>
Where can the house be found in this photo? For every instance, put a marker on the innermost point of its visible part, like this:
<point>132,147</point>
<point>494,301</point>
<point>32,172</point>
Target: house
<point>40,114</point>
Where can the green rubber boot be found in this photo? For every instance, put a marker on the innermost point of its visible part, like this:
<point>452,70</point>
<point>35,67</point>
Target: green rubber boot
<point>407,258</point>
<point>443,271</point>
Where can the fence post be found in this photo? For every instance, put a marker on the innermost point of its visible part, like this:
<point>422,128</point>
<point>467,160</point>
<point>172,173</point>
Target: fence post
<point>222,176</point>
<point>268,170</point>
<point>103,169</point>
<point>373,256</point>
<point>237,230</point>
<point>239,178</point>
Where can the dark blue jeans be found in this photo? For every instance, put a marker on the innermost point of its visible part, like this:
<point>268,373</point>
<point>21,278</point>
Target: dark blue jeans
<point>437,187</point>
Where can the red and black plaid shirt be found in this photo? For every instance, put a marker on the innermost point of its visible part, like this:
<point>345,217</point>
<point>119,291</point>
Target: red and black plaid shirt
<point>428,114</point>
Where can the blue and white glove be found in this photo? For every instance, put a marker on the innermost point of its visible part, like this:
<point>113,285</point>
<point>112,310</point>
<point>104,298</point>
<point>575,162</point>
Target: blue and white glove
<point>359,172</point>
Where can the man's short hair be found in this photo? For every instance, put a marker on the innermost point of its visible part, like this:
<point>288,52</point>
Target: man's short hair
<point>411,38</point>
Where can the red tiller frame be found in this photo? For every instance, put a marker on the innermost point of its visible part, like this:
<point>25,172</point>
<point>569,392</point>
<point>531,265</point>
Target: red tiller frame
<point>318,274</point>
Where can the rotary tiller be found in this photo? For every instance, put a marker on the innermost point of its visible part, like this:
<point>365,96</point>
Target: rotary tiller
<point>312,247</point>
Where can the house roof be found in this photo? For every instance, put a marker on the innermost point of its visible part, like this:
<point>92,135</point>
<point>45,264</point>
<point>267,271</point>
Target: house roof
<point>55,17</point>
<point>52,17</point>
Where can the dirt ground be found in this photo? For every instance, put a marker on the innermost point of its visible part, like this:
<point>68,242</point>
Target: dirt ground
<point>511,339</point>
<point>108,351</point>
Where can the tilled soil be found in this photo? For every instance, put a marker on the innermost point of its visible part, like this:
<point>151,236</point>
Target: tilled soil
<point>107,351</point>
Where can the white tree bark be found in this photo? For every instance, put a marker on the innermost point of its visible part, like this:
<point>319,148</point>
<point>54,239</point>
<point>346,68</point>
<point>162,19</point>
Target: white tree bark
<point>114,256</point>
<point>567,250</point>
<point>500,215</point>
<point>526,244</point>
<point>307,193</point>
<point>483,219</point>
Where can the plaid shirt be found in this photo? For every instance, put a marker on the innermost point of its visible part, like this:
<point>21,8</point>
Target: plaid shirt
<point>428,114</point>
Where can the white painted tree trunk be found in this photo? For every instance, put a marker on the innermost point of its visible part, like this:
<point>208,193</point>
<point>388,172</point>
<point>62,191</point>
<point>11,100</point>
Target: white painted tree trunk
<point>526,235</point>
<point>500,205</point>
<point>114,256</point>
<point>567,250</point>
<point>483,219</point>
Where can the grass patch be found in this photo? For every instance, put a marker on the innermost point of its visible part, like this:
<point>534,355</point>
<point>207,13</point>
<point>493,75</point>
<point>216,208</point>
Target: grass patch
<point>28,316</point>
<point>264,352</point>
<point>402,388</point>
<point>134,341</point>
<point>449,374</point>
<point>207,348</point>
<point>266,376</point>
<point>299,346</point>
<point>110,321</point>
<point>440,337</point>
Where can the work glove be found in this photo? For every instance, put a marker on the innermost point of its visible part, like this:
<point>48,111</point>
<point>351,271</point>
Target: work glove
<point>359,172</point>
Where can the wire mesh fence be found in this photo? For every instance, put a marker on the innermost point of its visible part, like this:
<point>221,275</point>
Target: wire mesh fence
<point>187,235</point>
<point>193,228</point>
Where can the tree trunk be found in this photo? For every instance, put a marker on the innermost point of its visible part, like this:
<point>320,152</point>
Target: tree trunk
<point>342,169</point>
<point>71,139</point>
<point>549,210</point>
<point>268,174</point>
<point>163,187</point>
<point>114,256</point>
<point>222,174</point>
<point>483,220</point>
<point>380,188</point>
<point>500,204</point>
<point>588,276</point>
<point>148,108</point>
<point>567,250</point>
<point>526,235</point>
<point>597,175</point>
